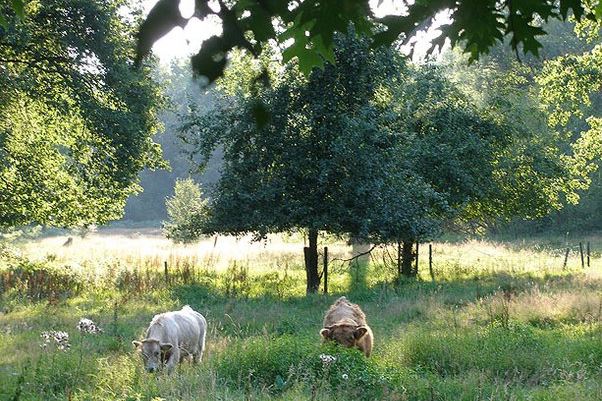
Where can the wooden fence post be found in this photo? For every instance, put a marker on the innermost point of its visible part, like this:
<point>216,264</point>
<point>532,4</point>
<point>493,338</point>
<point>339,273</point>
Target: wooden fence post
<point>325,270</point>
<point>588,254</point>
<point>581,252</point>
<point>166,272</point>
<point>416,267</point>
<point>431,272</point>
<point>399,260</point>
<point>566,258</point>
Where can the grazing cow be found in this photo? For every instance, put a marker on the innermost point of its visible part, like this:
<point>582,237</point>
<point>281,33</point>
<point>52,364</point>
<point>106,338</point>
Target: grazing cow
<point>346,324</point>
<point>171,337</point>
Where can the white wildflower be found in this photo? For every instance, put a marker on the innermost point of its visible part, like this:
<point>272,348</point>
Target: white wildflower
<point>88,326</point>
<point>327,359</point>
<point>60,338</point>
<point>345,376</point>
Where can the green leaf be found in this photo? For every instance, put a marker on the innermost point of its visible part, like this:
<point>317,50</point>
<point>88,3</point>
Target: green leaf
<point>575,5</point>
<point>19,8</point>
<point>308,60</point>
<point>395,26</point>
<point>3,22</point>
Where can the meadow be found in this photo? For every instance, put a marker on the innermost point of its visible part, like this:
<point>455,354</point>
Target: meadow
<point>503,320</point>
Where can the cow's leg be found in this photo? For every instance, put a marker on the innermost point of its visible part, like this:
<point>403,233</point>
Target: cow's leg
<point>173,360</point>
<point>198,355</point>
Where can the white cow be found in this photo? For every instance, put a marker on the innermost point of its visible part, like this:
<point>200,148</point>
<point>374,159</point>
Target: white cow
<point>171,337</point>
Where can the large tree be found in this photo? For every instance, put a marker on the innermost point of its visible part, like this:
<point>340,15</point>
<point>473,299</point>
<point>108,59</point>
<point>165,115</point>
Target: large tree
<point>296,170</point>
<point>76,120</point>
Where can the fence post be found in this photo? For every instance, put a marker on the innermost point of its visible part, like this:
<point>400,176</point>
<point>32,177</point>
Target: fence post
<point>587,253</point>
<point>325,270</point>
<point>431,272</point>
<point>566,258</point>
<point>581,252</point>
<point>416,267</point>
<point>166,272</point>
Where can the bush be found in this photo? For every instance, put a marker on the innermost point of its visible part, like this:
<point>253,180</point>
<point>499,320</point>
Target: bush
<point>187,211</point>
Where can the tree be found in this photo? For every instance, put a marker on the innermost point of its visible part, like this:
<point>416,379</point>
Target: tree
<point>294,172</point>
<point>187,211</point>
<point>569,90</point>
<point>76,120</point>
<point>557,88</point>
<point>475,25</point>
<point>373,149</point>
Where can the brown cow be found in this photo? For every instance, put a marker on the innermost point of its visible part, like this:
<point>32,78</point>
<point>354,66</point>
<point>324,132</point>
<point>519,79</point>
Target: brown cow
<point>346,324</point>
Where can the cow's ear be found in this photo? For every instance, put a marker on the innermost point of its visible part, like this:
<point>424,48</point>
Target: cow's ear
<point>325,332</point>
<point>359,332</point>
<point>166,347</point>
<point>136,344</point>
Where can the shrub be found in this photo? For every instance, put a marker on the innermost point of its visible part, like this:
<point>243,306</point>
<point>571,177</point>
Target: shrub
<point>187,211</point>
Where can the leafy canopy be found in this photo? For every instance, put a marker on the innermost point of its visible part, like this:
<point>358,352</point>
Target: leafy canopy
<point>76,120</point>
<point>373,148</point>
<point>305,29</point>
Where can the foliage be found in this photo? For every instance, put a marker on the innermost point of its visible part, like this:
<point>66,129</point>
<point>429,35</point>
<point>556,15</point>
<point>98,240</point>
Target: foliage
<point>378,150</point>
<point>306,29</point>
<point>77,120</point>
<point>568,89</point>
<point>563,86</point>
<point>187,211</point>
<point>555,165</point>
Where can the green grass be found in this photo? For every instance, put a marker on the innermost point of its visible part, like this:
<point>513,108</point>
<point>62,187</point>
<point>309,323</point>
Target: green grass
<point>509,326</point>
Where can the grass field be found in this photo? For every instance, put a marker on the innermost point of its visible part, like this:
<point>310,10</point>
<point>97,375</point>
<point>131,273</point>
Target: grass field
<point>501,321</point>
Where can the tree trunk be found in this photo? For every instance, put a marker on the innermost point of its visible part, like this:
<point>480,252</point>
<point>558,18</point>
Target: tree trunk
<point>407,257</point>
<point>311,262</point>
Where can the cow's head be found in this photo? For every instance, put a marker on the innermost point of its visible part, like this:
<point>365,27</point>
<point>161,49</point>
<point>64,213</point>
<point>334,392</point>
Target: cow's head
<point>344,334</point>
<point>153,353</point>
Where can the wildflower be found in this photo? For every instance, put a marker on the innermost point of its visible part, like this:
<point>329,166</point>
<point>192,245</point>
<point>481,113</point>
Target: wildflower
<point>60,338</point>
<point>327,359</point>
<point>345,376</point>
<point>88,326</point>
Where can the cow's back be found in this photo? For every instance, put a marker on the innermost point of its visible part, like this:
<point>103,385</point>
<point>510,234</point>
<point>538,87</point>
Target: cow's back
<point>200,319</point>
<point>343,310</point>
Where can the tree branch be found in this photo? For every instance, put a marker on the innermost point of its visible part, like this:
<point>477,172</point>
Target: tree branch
<point>356,256</point>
